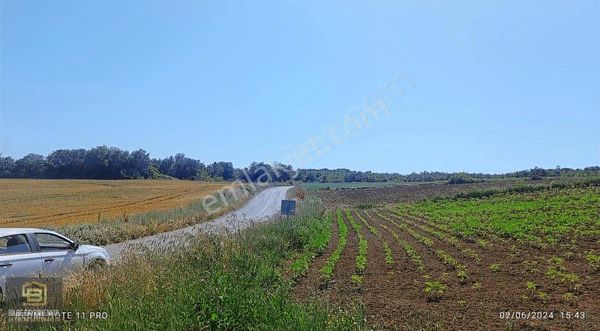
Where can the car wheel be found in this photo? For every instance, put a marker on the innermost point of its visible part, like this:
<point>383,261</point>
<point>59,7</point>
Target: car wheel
<point>96,265</point>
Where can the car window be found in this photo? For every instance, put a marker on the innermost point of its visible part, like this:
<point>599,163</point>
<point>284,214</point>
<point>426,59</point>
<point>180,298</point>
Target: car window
<point>50,242</point>
<point>14,244</point>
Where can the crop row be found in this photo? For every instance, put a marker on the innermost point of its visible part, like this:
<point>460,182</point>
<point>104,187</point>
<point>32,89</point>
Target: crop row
<point>412,253</point>
<point>444,257</point>
<point>316,246</point>
<point>443,236</point>
<point>389,257</point>
<point>361,257</point>
<point>327,270</point>
<point>482,238</point>
<point>420,238</point>
<point>371,228</point>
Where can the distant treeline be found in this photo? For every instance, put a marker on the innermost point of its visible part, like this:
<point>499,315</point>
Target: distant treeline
<point>346,175</point>
<point>104,162</point>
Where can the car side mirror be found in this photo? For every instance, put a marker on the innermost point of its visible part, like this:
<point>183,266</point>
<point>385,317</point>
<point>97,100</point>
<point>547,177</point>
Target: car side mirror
<point>74,246</point>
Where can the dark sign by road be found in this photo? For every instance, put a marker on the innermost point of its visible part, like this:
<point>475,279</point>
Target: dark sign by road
<point>288,207</point>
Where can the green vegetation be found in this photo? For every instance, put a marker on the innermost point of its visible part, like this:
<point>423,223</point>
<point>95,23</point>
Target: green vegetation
<point>593,260</point>
<point>329,266</point>
<point>389,257</point>
<point>356,279</point>
<point>556,270</point>
<point>346,175</point>
<point>495,267</point>
<point>420,238</point>
<point>571,183</point>
<point>452,240</point>
<point>434,290</point>
<point>361,257</point>
<point>372,229</point>
<point>231,283</point>
<point>413,255</point>
<point>318,235</point>
<point>462,276</point>
<point>542,217</point>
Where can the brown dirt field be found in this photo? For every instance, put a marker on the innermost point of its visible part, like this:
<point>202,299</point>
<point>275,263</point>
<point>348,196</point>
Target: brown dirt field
<point>394,297</point>
<point>349,198</point>
<point>27,202</point>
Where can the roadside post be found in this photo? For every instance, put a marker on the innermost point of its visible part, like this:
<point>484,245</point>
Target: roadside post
<point>288,207</point>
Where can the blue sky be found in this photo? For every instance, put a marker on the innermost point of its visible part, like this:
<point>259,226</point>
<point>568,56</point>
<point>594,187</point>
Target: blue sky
<point>497,86</point>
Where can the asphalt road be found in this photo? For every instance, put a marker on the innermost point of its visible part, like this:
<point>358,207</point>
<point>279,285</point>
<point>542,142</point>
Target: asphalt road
<point>260,208</point>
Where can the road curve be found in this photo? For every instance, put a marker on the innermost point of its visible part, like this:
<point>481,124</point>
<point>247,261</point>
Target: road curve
<point>264,205</point>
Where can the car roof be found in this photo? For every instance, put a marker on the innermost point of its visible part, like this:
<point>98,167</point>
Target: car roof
<point>13,231</point>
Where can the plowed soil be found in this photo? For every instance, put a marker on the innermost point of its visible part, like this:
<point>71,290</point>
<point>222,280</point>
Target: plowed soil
<point>394,295</point>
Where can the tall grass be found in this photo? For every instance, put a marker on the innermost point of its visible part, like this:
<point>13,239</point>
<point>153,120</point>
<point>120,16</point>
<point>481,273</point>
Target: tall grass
<point>318,236</point>
<point>217,282</point>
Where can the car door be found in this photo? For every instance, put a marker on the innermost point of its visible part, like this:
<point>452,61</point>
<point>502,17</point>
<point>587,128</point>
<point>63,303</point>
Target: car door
<point>56,254</point>
<point>18,258</point>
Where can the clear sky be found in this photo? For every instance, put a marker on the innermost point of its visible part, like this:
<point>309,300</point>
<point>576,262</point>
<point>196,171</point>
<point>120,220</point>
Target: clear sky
<point>496,85</point>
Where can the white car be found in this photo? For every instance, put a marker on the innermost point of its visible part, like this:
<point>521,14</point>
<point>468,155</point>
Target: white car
<point>37,252</point>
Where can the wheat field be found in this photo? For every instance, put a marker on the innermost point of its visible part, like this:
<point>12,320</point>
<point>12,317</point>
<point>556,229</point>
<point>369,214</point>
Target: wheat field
<point>37,202</point>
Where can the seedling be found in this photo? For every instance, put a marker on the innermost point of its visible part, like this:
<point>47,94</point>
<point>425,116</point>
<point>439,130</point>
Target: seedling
<point>543,296</point>
<point>495,267</point>
<point>462,276</point>
<point>434,291</point>
<point>389,258</point>
<point>593,260</point>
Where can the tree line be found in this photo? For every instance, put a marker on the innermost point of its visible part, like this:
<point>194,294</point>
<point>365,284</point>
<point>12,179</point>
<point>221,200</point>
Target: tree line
<point>346,175</point>
<point>104,162</point>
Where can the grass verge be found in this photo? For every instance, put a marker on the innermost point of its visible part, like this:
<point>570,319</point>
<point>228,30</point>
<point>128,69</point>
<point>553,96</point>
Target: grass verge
<point>224,283</point>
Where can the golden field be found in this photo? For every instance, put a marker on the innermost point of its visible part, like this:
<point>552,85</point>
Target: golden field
<point>36,202</point>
